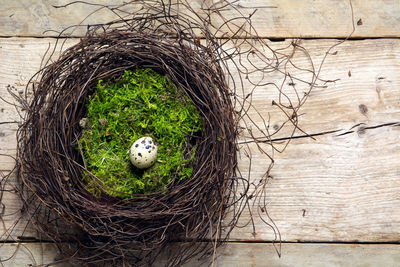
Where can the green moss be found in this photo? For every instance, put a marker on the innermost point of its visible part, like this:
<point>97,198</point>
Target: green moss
<point>143,103</point>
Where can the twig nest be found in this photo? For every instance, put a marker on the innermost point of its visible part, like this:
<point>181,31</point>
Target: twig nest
<point>143,152</point>
<point>135,230</point>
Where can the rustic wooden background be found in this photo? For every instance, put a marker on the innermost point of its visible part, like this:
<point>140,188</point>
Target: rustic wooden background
<point>336,199</point>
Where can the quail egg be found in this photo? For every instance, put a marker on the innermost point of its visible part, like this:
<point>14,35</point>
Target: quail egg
<point>143,152</point>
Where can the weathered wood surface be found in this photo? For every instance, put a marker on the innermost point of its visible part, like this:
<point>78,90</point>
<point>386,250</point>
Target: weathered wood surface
<point>29,254</point>
<point>323,255</point>
<point>273,19</point>
<point>241,254</point>
<point>341,187</point>
<point>335,188</point>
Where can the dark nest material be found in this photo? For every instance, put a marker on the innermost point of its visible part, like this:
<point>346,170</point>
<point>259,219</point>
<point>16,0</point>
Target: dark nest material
<point>200,58</point>
<point>51,167</point>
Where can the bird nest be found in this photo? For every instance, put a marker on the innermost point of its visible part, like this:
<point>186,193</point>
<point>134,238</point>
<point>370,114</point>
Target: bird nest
<point>203,64</point>
<point>51,167</point>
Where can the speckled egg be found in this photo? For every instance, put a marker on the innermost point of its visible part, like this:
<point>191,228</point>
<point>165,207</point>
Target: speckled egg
<point>143,152</point>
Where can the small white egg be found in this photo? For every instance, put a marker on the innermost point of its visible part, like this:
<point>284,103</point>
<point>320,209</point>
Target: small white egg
<point>143,152</point>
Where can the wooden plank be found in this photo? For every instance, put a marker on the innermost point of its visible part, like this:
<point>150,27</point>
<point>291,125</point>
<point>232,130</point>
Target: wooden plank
<point>337,188</point>
<point>320,19</point>
<point>323,255</point>
<point>240,254</point>
<point>372,84</point>
<point>273,18</point>
<point>20,60</point>
<point>29,254</point>
<point>334,188</point>
<point>365,89</point>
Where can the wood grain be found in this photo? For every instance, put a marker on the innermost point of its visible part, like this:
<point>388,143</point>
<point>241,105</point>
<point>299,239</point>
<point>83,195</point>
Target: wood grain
<point>339,187</point>
<point>241,254</point>
<point>321,255</point>
<point>364,91</point>
<point>20,59</point>
<point>273,18</point>
<point>29,254</point>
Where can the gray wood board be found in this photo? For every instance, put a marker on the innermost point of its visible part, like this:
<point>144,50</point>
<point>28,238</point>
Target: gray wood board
<point>272,19</point>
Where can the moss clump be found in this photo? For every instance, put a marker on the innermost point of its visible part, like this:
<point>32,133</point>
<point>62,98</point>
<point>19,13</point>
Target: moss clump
<point>142,103</point>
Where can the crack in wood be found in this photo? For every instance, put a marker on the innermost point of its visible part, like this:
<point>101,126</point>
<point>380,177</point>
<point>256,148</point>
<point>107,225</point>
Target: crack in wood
<point>360,129</point>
